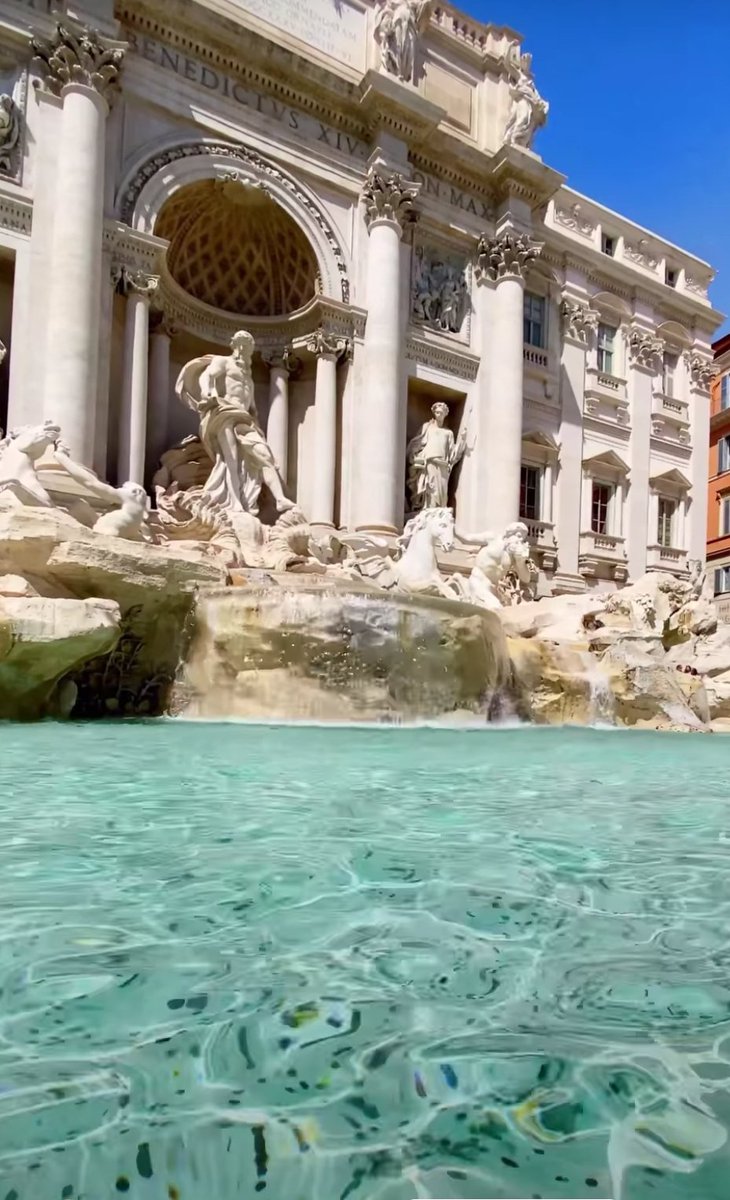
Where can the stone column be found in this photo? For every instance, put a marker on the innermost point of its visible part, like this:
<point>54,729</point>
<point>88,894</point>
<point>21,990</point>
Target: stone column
<point>546,500</point>
<point>133,410</point>
<point>653,525</point>
<point>643,352</point>
<point>281,366</point>
<point>82,69</point>
<point>701,373</point>
<point>158,390</point>
<point>327,350</point>
<point>501,263</point>
<point>578,325</point>
<point>381,438</point>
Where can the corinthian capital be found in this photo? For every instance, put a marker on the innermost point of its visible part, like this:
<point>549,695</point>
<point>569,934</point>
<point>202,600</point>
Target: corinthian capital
<point>389,198</point>
<point>645,350</point>
<point>702,371</point>
<point>505,256</point>
<point>138,282</point>
<point>577,320</point>
<point>326,343</point>
<point>78,55</point>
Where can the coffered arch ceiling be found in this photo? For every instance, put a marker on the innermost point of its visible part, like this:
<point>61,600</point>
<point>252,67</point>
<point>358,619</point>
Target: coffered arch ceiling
<point>234,248</point>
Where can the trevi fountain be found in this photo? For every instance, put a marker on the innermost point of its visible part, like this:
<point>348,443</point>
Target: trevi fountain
<point>352,842</point>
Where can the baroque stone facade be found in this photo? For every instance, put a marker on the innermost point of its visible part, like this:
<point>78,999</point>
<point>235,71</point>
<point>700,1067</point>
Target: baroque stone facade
<point>400,265</point>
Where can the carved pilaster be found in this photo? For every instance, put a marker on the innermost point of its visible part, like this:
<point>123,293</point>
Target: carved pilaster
<point>577,321</point>
<point>320,342</point>
<point>506,256</point>
<point>390,197</point>
<point>645,350</point>
<point>77,54</point>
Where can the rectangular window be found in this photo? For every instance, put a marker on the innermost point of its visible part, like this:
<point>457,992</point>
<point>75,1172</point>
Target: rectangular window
<point>669,373</point>
<point>725,392</point>
<point>530,493</point>
<point>670,277</point>
<point>600,504</point>
<point>722,580</point>
<point>723,455</point>
<point>665,529</point>
<point>534,320</point>
<point>608,244</point>
<point>606,336</point>
<point>725,516</point>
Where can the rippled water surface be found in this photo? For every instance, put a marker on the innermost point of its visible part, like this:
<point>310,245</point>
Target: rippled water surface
<point>332,963</point>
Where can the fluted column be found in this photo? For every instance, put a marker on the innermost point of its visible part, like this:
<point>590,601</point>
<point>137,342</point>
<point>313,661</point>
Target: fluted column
<point>327,350</point>
<point>82,69</point>
<point>281,365</point>
<point>158,390</point>
<point>381,441</point>
<point>138,287</point>
<point>501,264</point>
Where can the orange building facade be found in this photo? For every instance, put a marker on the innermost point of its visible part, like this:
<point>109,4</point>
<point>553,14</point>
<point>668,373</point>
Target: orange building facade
<point>718,507</point>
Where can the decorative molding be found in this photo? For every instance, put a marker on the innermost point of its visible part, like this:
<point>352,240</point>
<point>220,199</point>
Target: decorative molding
<point>270,333</point>
<point>389,197</point>
<point>442,358</point>
<point>508,255</point>
<point>571,218</point>
<point>640,253</point>
<point>645,349</point>
<point>3,352</point>
<point>126,247</point>
<point>242,154</point>
<point>606,284</point>
<point>16,214</point>
<point>577,320</point>
<point>78,54</point>
<point>696,285</point>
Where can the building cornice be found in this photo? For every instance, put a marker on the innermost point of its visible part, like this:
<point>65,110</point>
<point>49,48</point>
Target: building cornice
<point>613,275</point>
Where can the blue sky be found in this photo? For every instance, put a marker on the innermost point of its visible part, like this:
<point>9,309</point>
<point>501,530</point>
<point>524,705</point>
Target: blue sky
<point>639,110</point>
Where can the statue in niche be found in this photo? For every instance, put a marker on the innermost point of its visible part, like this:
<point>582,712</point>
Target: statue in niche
<point>431,456</point>
<point>9,131</point>
<point>397,25</point>
<point>219,387</point>
<point>439,293</point>
<point>528,110</point>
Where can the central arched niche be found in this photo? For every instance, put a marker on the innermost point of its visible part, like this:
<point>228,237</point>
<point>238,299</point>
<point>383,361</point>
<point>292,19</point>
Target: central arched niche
<point>234,248</point>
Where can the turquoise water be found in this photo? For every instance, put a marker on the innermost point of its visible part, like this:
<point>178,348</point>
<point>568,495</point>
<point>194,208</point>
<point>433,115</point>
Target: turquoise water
<point>353,963</point>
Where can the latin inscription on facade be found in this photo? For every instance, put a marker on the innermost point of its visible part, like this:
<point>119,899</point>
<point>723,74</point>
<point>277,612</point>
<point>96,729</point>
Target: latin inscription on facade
<point>446,193</point>
<point>301,124</point>
<point>214,80</point>
<point>335,27</point>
